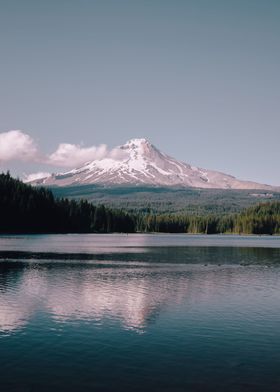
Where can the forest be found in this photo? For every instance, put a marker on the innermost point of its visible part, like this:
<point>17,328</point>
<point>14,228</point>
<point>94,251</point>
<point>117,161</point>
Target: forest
<point>261,219</point>
<point>26,209</point>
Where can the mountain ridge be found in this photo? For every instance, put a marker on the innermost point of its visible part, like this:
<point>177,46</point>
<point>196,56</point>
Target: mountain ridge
<point>138,162</point>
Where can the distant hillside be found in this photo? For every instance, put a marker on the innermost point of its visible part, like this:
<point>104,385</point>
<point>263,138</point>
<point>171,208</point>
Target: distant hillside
<point>167,199</point>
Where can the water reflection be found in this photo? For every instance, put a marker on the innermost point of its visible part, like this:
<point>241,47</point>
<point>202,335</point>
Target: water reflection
<point>119,243</point>
<point>133,295</point>
<point>155,254</point>
<point>161,319</point>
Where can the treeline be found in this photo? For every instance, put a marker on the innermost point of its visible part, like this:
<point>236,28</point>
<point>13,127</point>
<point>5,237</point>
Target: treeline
<point>261,219</point>
<point>25,209</point>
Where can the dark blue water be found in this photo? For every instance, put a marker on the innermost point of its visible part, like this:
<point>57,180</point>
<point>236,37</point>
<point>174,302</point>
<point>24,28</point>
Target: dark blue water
<point>148,313</point>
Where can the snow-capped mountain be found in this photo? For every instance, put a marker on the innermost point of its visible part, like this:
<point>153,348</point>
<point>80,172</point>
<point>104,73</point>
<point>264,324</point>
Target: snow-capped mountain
<point>142,163</point>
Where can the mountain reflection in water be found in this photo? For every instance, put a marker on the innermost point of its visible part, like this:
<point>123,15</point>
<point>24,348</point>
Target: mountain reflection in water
<point>154,319</point>
<point>133,295</point>
<point>84,292</point>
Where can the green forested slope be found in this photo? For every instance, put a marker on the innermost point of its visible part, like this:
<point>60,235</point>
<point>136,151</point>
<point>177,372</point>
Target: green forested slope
<point>163,200</point>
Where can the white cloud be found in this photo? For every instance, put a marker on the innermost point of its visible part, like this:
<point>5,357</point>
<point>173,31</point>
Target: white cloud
<point>68,155</point>
<point>17,145</point>
<point>35,176</point>
<point>73,155</point>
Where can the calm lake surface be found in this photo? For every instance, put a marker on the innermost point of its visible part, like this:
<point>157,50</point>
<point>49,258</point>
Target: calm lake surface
<point>139,313</point>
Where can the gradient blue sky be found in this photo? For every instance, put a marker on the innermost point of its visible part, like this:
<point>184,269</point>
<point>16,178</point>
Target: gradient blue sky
<point>199,79</point>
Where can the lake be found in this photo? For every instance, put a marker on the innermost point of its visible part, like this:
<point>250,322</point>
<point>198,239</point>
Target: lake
<point>139,313</point>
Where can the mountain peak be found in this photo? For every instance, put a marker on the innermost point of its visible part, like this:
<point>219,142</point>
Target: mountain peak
<point>136,144</point>
<point>139,149</point>
<point>143,163</point>
<point>137,141</point>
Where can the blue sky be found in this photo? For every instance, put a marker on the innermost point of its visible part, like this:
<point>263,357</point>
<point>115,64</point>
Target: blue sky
<point>199,79</point>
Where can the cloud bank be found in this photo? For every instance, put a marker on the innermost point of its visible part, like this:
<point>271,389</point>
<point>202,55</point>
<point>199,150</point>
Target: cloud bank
<point>18,145</point>
<point>72,155</point>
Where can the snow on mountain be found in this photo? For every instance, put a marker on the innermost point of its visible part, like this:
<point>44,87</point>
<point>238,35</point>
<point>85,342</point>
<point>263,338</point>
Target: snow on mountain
<point>142,163</point>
